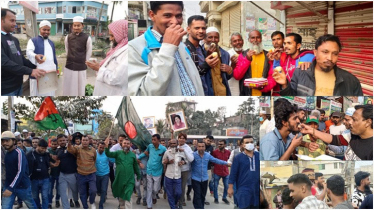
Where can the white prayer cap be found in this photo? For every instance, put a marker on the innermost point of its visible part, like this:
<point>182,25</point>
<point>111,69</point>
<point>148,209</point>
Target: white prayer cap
<point>262,112</point>
<point>17,133</point>
<point>350,111</point>
<point>44,23</point>
<point>212,29</point>
<point>78,19</point>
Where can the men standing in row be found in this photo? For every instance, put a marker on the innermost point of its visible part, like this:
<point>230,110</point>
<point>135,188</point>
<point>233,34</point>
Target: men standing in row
<point>13,64</point>
<point>221,171</point>
<point>78,47</point>
<point>237,42</point>
<point>42,53</point>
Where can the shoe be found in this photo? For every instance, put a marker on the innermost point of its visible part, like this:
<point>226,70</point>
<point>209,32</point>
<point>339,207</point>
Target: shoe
<point>71,203</point>
<point>216,201</point>
<point>138,201</point>
<point>50,206</point>
<point>57,204</point>
<point>154,201</point>
<point>20,205</point>
<point>15,203</point>
<point>93,206</point>
<point>206,203</point>
<point>188,198</point>
<point>184,204</point>
<point>144,203</point>
<point>158,197</point>
<point>98,194</point>
<point>160,191</point>
<point>77,204</point>
<point>179,205</point>
<point>226,201</point>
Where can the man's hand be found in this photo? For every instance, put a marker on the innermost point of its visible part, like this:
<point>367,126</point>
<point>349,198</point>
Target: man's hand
<point>180,163</point>
<point>306,129</point>
<point>106,142</point>
<point>313,146</point>
<point>7,193</point>
<point>277,53</point>
<point>37,73</point>
<point>212,61</point>
<point>230,192</point>
<point>229,164</point>
<point>174,34</point>
<point>296,141</point>
<point>212,48</point>
<point>234,59</point>
<point>304,66</point>
<point>225,68</point>
<point>39,58</point>
<point>171,161</point>
<point>181,149</point>
<point>270,56</point>
<point>280,78</point>
<point>249,54</point>
<point>141,165</point>
<point>93,65</point>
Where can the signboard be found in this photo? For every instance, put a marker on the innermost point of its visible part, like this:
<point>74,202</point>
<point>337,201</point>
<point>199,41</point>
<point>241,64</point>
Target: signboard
<point>236,132</point>
<point>31,5</point>
<point>264,101</point>
<point>335,107</point>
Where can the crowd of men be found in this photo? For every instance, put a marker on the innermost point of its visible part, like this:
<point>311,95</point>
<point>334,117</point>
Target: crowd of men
<point>347,136</point>
<point>310,190</point>
<point>42,59</point>
<point>65,168</point>
<point>163,65</point>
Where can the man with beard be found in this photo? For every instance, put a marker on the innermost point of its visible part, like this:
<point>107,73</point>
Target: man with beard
<point>362,188</point>
<point>322,119</point>
<point>160,63</point>
<point>127,167</point>
<point>323,77</point>
<point>245,172</point>
<point>237,42</point>
<point>109,79</point>
<point>338,127</point>
<point>42,53</point>
<point>301,115</point>
<point>13,64</point>
<point>253,63</point>
<point>54,175</point>
<point>217,78</point>
<point>335,191</point>
<point>347,121</point>
<point>312,142</point>
<point>288,201</point>
<point>320,186</point>
<point>300,189</point>
<point>78,46</point>
<point>278,144</point>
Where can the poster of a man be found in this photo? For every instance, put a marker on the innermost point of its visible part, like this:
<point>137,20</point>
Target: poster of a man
<point>178,120</point>
<point>152,131</point>
<point>148,122</point>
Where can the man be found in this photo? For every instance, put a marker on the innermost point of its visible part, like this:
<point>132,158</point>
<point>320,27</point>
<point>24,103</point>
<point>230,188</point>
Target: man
<point>320,186</point>
<point>243,141</point>
<point>278,199</point>
<point>42,53</point>
<point>13,64</point>
<point>143,180</point>
<point>102,173</point>
<point>362,188</point>
<point>311,139</point>
<point>86,157</point>
<point>38,161</point>
<point>173,159</point>
<point>78,46</point>
<point>322,119</point>
<point>264,123</point>
<point>288,201</point>
<point>291,58</point>
<point>35,142</point>
<point>160,64</point>
<point>54,175</point>
<point>301,115</point>
<point>25,134</point>
<point>323,77</point>
<point>277,40</point>
<point>245,172</point>
<point>200,176</point>
<point>338,127</point>
<point>127,167</point>
<point>217,78</point>
<point>148,123</point>
<point>237,42</point>
<point>221,171</point>
<point>335,191</point>
<point>367,203</point>
<point>209,149</point>
<point>109,79</point>
<point>300,190</point>
<point>17,181</point>
<point>253,63</point>
<point>155,152</point>
<point>347,121</point>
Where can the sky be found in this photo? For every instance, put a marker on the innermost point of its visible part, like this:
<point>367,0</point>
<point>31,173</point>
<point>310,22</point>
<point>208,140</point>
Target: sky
<point>192,8</point>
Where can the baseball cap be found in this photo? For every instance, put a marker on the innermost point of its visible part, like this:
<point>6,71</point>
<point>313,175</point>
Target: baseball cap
<point>336,114</point>
<point>7,135</point>
<point>312,118</point>
<point>350,111</point>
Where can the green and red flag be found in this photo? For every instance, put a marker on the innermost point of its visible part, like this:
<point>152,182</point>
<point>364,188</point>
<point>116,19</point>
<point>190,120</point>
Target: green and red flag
<point>130,122</point>
<point>48,117</point>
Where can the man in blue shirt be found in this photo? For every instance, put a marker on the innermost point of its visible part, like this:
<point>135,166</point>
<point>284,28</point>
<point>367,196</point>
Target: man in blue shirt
<point>200,174</point>
<point>155,152</point>
<point>102,173</point>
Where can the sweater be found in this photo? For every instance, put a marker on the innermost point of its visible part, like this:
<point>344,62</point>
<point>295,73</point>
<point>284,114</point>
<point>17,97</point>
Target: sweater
<point>86,158</point>
<point>17,170</point>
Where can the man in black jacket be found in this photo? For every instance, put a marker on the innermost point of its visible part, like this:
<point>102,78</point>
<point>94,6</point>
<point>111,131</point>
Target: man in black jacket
<point>13,64</point>
<point>323,77</point>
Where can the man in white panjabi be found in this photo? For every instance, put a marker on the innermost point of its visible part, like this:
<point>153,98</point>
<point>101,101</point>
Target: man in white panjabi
<point>78,46</point>
<point>111,79</point>
<point>41,52</point>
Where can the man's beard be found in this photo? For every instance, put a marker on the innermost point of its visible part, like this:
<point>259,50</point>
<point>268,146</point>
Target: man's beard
<point>45,37</point>
<point>328,69</point>
<point>238,49</point>
<point>259,47</point>
<point>367,190</point>
<point>113,44</point>
<point>125,149</point>
<point>320,186</point>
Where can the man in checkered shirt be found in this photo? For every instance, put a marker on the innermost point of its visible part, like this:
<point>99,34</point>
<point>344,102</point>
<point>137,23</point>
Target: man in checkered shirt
<point>300,189</point>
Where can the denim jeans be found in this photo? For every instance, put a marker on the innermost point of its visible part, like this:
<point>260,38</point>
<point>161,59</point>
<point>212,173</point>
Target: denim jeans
<point>82,181</point>
<point>225,180</point>
<point>54,180</point>
<point>24,194</point>
<point>173,188</point>
<point>42,186</point>
<point>102,188</point>
<point>199,192</point>
<point>17,92</point>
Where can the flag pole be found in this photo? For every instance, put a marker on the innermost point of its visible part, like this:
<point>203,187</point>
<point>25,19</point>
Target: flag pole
<point>110,131</point>
<point>63,118</point>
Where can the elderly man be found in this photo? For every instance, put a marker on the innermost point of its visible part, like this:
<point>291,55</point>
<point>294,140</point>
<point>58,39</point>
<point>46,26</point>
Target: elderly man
<point>110,79</point>
<point>78,46</point>
<point>237,42</point>
<point>13,64</point>
<point>160,63</point>
<point>264,121</point>
<point>253,63</point>
<point>42,53</point>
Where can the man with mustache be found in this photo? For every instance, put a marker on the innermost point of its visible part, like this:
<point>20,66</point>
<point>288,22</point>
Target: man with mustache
<point>335,192</point>
<point>323,77</point>
<point>237,42</point>
<point>320,186</point>
<point>362,188</point>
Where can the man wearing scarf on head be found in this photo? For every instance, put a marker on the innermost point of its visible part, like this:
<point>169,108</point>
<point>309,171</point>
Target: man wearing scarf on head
<point>78,46</point>
<point>42,53</point>
<point>111,79</point>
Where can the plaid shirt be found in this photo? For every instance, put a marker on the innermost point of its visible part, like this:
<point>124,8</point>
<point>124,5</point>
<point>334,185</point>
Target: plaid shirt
<point>188,89</point>
<point>311,202</point>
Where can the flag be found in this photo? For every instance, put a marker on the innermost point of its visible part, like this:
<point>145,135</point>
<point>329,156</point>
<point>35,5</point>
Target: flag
<point>47,117</point>
<point>130,122</point>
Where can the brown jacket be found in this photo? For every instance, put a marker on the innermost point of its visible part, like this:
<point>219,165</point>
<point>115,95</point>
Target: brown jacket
<point>86,159</point>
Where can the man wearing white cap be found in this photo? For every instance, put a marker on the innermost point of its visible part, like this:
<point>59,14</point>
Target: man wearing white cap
<point>42,53</point>
<point>264,123</point>
<point>78,46</point>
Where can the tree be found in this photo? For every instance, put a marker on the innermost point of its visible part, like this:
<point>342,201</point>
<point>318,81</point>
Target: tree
<point>105,126</point>
<point>114,4</point>
<point>161,127</point>
<point>99,20</point>
<point>246,107</point>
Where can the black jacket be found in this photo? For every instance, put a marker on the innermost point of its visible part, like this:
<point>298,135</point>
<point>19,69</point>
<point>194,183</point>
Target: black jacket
<point>38,165</point>
<point>303,83</point>
<point>203,68</point>
<point>68,162</point>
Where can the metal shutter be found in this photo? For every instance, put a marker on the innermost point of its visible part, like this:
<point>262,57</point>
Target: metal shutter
<point>235,16</point>
<point>225,28</point>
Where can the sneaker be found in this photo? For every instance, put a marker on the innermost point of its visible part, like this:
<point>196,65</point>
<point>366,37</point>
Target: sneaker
<point>20,205</point>
<point>226,201</point>
<point>154,201</point>
<point>206,203</point>
<point>77,204</point>
<point>184,204</point>
<point>138,201</point>
<point>179,205</point>
<point>144,203</point>
<point>71,203</point>
<point>93,206</point>
<point>15,203</point>
<point>216,201</point>
<point>50,206</point>
<point>188,198</point>
<point>57,204</point>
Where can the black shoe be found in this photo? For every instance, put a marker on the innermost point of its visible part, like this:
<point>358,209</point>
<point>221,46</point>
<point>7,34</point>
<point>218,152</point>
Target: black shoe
<point>206,203</point>
<point>179,205</point>
<point>226,201</point>
<point>144,203</point>
<point>50,206</point>
<point>20,205</point>
<point>71,203</point>
<point>138,201</point>
<point>15,203</point>
<point>158,197</point>
<point>57,204</point>
<point>184,204</point>
<point>188,198</point>
<point>98,194</point>
<point>77,204</point>
<point>154,201</point>
<point>216,201</point>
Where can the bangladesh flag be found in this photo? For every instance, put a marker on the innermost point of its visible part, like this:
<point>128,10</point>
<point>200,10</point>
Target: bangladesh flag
<point>47,117</point>
<point>130,122</point>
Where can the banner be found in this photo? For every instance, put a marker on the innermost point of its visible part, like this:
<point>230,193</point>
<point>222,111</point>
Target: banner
<point>236,132</point>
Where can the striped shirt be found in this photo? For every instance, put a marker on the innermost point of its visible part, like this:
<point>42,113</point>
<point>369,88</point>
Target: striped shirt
<point>311,202</point>
<point>85,159</point>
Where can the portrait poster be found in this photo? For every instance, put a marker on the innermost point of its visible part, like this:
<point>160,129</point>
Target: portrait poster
<point>149,122</point>
<point>178,120</point>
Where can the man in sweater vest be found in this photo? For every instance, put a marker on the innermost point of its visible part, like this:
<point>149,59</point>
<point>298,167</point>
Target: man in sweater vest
<point>78,46</point>
<point>41,52</point>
